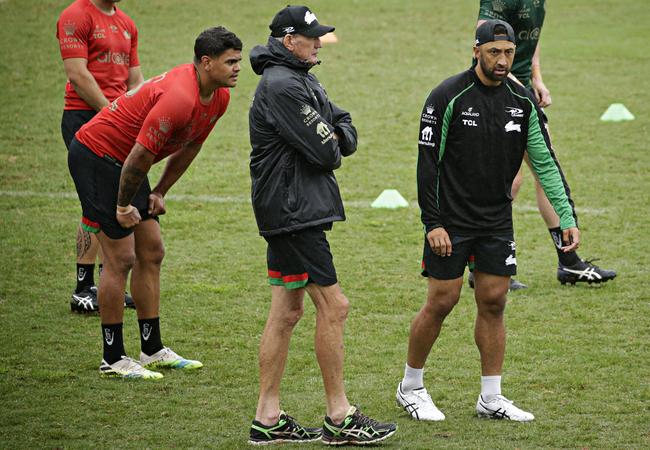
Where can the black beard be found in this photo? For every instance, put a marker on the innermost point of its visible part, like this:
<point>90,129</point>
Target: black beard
<point>490,73</point>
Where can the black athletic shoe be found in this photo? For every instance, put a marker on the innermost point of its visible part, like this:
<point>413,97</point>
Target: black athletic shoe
<point>515,285</point>
<point>85,301</point>
<point>584,272</point>
<point>356,429</point>
<point>128,301</point>
<point>286,430</point>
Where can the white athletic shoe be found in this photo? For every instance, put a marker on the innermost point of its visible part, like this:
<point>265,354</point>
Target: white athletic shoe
<point>418,404</point>
<point>127,368</point>
<point>168,359</point>
<point>501,408</point>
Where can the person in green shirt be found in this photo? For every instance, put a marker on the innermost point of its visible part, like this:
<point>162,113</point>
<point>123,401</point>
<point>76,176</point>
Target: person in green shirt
<point>527,18</point>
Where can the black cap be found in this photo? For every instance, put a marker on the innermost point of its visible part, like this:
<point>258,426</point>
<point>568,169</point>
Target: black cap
<point>297,20</point>
<point>485,32</point>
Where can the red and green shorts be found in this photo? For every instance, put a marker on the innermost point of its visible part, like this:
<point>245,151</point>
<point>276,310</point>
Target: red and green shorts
<point>298,258</point>
<point>97,181</point>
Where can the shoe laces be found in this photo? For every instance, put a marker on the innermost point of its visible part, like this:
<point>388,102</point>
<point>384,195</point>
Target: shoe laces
<point>589,262</point>
<point>292,424</point>
<point>423,394</point>
<point>131,363</point>
<point>169,353</point>
<point>501,397</point>
<point>364,420</point>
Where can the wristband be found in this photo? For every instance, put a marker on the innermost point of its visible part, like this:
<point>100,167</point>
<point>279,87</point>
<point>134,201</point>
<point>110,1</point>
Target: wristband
<point>124,210</point>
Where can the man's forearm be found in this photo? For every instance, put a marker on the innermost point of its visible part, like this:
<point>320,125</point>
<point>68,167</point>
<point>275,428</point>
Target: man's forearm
<point>130,182</point>
<point>134,171</point>
<point>536,70</point>
<point>88,89</point>
<point>176,166</point>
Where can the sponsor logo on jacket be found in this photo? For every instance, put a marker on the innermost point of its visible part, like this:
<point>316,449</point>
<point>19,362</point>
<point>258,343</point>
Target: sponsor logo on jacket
<point>470,112</point>
<point>427,115</point>
<point>425,137</point>
<point>514,112</point>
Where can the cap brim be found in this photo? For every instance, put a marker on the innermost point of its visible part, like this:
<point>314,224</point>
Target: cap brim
<point>317,31</point>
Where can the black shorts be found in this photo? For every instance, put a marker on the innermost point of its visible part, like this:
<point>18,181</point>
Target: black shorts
<point>295,259</point>
<point>490,254</point>
<point>72,120</point>
<point>97,181</point>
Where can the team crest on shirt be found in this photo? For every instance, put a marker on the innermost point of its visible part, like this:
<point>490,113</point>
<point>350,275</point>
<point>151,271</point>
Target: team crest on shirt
<point>512,126</point>
<point>164,124</point>
<point>69,28</point>
<point>113,28</point>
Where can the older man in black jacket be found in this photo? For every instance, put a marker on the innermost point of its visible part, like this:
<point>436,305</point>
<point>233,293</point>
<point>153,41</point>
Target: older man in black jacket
<point>298,138</point>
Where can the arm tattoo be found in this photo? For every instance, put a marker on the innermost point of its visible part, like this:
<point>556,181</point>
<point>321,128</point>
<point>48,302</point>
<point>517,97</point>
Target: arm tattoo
<point>83,242</point>
<point>130,182</point>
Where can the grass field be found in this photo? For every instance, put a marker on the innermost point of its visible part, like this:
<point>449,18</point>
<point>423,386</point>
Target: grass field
<point>577,356</point>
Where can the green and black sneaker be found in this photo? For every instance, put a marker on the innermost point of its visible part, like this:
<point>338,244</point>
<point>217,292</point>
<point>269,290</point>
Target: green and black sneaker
<point>286,430</point>
<point>356,429</point>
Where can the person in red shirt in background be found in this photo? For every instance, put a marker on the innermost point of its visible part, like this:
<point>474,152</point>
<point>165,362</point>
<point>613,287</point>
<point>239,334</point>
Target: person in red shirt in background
<point>99,47</point>
<point>168,116</point>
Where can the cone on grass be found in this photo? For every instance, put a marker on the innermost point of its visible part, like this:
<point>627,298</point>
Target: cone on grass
<point>390,198</point>
<point>617,112</point>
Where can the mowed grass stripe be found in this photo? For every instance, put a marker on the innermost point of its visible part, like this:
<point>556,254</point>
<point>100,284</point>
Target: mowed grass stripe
<point>520,206</point>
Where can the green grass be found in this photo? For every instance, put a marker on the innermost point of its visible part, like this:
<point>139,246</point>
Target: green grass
<point>577,357</point>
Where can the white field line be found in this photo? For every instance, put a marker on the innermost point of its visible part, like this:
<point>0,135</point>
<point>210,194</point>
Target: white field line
<point>525,207</point>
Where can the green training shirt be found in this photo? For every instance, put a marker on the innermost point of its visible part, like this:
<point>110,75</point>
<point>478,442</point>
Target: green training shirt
<point>526,18</point>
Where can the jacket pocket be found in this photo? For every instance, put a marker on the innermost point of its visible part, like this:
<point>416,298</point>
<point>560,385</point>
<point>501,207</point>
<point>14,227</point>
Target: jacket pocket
<point>290,184</point>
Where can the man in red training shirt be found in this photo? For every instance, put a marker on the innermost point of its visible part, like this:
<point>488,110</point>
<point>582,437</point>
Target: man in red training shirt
<point>99,48</point>
<point>167,116</point>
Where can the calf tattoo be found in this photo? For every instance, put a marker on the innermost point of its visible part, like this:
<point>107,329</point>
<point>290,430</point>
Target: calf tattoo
<point>83,242</point>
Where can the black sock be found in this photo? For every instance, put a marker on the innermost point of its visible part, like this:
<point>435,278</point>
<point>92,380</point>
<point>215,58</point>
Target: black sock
<point>150,341</point>
<point>566,259</point>
<point>113,342</point>
<point>85,276</point>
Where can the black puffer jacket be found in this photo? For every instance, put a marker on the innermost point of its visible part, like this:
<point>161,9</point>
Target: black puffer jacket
<point>292,124</point>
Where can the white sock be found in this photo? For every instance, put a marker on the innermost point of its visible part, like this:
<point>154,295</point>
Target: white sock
<point>490,387</point>
<point>413,379</point>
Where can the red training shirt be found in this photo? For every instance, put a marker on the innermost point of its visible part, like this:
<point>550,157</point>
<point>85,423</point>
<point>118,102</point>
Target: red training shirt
<point>164,114</point>
<point>108,42</point>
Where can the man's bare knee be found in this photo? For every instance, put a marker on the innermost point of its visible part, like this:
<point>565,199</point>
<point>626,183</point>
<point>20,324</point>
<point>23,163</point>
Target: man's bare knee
<point>440,304</point>
<point>331,304</point>
<point>121,262</point>
<point>291,318</point>
<point>153,255</point>
<point>442,297</point>
<point>491,300</point>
